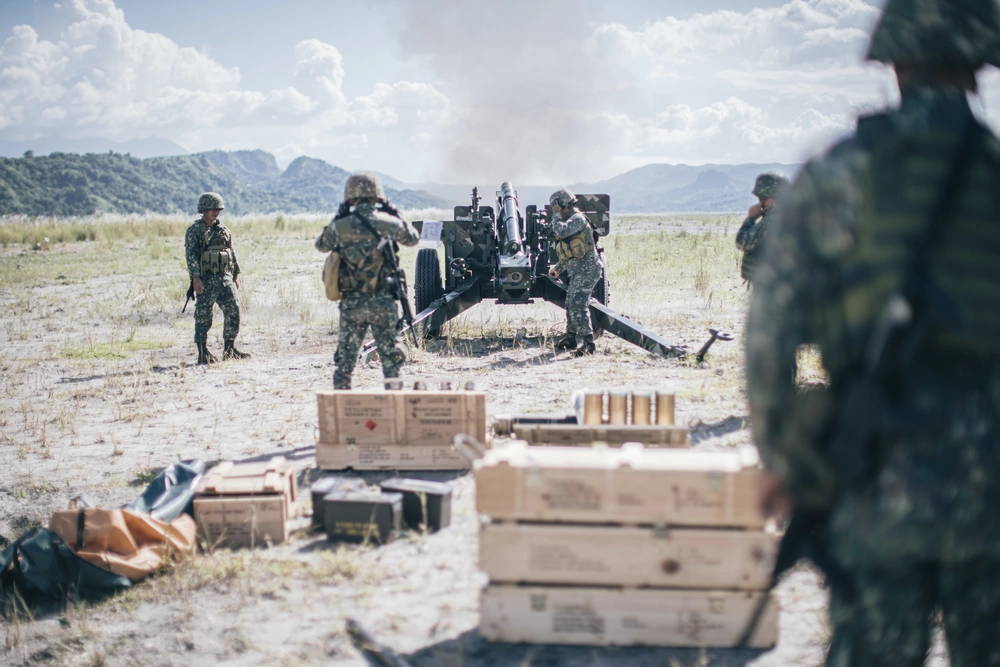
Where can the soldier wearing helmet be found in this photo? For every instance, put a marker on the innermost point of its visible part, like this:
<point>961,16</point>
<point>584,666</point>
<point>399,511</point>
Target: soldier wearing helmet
<point>360,232</point>
<point>215,276</point>
<point>576,250</point>
<point>751,233</point>
<point>884,255</point>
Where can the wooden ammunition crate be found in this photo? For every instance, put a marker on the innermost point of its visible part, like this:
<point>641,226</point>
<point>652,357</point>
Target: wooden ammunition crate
<point>630,484</point>
<point>586,435</point>
<point>246,504</point>
<point>623,617</point>
<point>627,555</point>
<point>406,430</point>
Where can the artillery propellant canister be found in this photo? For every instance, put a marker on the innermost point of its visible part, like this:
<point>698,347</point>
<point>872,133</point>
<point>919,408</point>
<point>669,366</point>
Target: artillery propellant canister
<point>640,408</point>
<point>426,504</point>
<point>324,485</point>
<point>419,385</point>
<point>445,386</point>
<point>617,407</point>
<point>593,407</point>
<point>665,409</point>
<point>362,516</point>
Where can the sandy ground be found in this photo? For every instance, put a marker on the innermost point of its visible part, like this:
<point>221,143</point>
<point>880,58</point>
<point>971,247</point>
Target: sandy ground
<point>102,426</point>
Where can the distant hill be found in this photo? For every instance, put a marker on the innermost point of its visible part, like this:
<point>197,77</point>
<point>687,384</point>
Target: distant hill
<point>250,181</point>
<point>679,187</point>
<point>654,188</point>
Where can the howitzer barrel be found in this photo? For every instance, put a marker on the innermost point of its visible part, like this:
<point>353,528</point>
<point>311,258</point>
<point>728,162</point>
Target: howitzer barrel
<point>510,218</point>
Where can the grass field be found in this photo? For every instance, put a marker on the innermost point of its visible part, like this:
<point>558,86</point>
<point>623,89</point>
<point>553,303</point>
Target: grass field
<point>99,391</point>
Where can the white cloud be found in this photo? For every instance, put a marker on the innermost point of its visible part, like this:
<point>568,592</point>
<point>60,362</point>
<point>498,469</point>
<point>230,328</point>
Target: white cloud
<point>101,76</point>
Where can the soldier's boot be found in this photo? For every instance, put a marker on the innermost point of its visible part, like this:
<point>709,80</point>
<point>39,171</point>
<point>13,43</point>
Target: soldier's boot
<point>393,384</point>
<point>567,342</point>
<point>586,347</point>
<point>230,351</point>
<point>204,356</point>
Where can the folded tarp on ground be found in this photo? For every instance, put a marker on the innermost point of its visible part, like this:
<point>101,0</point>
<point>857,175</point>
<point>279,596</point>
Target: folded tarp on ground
<point>40,570</point>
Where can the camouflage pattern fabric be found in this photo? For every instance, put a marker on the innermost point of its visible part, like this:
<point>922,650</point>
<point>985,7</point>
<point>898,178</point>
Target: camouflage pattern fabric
<point>357,313</point>
<point>584,272</point>
<point>749,239</point>
<point>938,33</point>
<point>199,237</point>
<point>837,250</point>
<point>219,287</point>
<point>367,299</point>
<point>769,185</point>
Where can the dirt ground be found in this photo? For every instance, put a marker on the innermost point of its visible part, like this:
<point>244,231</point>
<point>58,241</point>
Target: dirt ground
<point>100,391</point>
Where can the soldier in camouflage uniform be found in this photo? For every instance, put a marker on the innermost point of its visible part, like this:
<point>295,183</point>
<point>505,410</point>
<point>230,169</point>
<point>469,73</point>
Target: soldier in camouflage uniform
<point>359,232</point>
<point>751,234</point>
<point>917,532</point>
<point>215,276</point>
<point>576,250</point>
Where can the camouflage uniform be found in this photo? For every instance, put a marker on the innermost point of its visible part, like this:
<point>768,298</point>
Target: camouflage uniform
<point>923,534</point>
<point>217,273</point>
<point>367,296</point>
<point>751,234</point>
<point>584,269</point>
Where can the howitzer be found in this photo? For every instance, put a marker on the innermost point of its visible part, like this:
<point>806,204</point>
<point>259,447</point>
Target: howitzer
<point>503,254</point>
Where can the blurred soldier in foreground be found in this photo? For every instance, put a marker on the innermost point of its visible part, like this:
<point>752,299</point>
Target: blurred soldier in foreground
<point>577,253</point>
<point>365,229</point>
<point>886,253</point>
<point>215,276</point>
<point>751,234</point>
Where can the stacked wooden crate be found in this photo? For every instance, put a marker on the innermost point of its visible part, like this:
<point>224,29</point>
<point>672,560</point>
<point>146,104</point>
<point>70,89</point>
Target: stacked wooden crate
<point>622,546</point>
<point>404,430</point>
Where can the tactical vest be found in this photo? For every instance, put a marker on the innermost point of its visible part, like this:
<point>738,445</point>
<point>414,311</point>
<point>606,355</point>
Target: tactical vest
<point>963,273</point>
<point>361,260</point>
<point>576,245</point>
<point>216,257</point>
<point>752,248</point>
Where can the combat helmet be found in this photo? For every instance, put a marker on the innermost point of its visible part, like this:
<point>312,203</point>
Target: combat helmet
<point>562,198</point>
<point>209,201</point>
<point>950,34</point>
<point>363,185</point>
<point>769,185</point>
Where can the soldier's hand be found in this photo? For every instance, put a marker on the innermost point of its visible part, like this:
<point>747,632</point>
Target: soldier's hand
<point>774,500</point>
<point>236,281</point>
<point>553,273</point>
<point>199,286</point>
<point>755,211</point>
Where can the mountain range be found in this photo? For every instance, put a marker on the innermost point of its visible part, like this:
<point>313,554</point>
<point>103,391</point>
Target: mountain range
<point>252,182</point>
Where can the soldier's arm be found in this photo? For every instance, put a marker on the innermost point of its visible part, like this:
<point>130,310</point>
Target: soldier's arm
<point>401,231</point>
<point>743,234</point>
<point>192,252</point>
<point>781,317</point>
<point>232,251</point>
<point>576,223</point>
<point>327,239</point>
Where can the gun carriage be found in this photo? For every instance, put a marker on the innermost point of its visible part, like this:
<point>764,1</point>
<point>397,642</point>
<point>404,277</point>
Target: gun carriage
<point>499,253</point>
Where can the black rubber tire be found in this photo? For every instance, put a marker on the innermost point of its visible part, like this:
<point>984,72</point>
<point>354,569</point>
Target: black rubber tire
<point>428,285</point>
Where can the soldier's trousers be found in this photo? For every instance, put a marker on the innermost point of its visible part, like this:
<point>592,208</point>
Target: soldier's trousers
<point>357,313</point>
<point>888,619</point>
<point>581,285</point>
<point>221,290</point>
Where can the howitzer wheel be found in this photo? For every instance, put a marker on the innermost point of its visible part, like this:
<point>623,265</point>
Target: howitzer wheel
<point>428,285</point>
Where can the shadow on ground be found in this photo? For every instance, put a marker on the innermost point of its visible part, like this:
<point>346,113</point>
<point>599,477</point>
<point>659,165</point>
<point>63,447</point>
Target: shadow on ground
<point>702,431</point>
<point>471,650</point>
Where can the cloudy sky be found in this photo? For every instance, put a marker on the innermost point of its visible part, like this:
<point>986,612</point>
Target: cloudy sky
<point>539,91</point>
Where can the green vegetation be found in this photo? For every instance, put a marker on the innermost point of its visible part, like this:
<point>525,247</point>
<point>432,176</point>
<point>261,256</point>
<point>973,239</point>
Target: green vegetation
<point>114,349</point>
<point>67,184</point>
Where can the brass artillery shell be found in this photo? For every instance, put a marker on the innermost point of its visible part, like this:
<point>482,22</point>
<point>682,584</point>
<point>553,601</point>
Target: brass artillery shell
<point>593,408</point>
<point>640,408</point>
<point>665,409</point>
<point>617,407</point>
